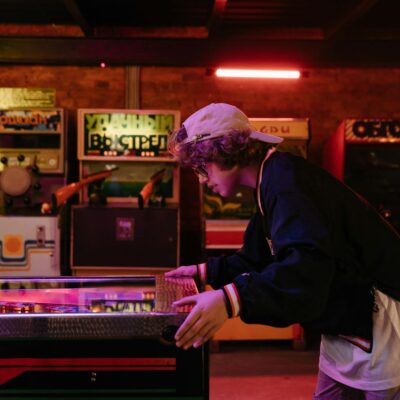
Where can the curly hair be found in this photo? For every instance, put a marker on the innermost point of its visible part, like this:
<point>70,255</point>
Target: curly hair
<point>227,151</point>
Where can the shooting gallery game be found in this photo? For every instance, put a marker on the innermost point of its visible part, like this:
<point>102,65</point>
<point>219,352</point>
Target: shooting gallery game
<point>120,212</point>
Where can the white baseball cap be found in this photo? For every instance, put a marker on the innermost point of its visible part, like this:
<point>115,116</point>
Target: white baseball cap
<point>219,119</point>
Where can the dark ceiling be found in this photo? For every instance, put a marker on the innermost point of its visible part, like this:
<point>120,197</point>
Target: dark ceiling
<point>210,33</point>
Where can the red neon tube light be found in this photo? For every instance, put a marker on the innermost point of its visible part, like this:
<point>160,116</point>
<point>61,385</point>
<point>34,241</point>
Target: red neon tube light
<point>257,73</point>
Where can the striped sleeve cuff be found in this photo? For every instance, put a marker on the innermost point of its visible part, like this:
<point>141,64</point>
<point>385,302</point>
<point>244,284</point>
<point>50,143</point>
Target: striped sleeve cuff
<point>233,299</point>
<point>202,273</point>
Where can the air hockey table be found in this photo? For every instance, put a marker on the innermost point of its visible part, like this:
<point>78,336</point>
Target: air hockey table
<point>99,338</point>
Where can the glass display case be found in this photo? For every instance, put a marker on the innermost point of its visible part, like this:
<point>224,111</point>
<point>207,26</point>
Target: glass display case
<point>108,337</point>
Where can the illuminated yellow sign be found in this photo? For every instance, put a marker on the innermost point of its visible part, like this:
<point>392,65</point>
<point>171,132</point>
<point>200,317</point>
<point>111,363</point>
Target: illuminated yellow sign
<point>30,121</point>
<point>372,130</point>
<point>11,98</point>
<point>127,134</point>
<point>289,128</point>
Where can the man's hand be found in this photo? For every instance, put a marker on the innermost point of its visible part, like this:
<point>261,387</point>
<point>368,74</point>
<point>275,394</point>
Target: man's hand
<point>185,270</point>
<point>207,316</point>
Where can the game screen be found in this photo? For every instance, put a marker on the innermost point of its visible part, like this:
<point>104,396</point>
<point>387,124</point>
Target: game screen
<point>129,179</point>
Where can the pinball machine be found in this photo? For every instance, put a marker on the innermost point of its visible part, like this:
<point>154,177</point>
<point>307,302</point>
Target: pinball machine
<point>97,337</point>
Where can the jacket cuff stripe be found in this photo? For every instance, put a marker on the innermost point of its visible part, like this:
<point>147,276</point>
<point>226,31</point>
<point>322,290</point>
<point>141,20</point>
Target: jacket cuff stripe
<point>234,298</point>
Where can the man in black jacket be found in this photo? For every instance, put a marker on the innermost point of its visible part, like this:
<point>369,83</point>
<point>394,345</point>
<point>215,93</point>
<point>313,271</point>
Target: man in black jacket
<point>315,253</point>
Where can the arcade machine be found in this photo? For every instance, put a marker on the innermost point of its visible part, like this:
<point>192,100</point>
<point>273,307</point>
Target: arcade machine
<point>32,167</point>
<point>364,153</point>
<point>127,223</point>
<point>226,221</point>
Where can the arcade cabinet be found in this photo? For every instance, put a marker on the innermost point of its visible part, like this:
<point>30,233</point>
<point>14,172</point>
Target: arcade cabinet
<point>226,221</point>
<point>365,154</point>
<point>32,167</point>
<point>129,222</point>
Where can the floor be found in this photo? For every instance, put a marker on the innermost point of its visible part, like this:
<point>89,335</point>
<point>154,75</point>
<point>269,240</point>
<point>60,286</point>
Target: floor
<point>262,370</point>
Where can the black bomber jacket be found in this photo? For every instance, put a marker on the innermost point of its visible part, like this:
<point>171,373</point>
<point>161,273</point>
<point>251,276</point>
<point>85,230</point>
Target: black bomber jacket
<point>328,249</point>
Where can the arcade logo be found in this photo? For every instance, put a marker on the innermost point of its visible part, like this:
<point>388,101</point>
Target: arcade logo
<point>295,128</point>
<point>115,144</point>
<point>127,134</point>
<point>28,120</point>
<point>275,130</point>
<point>389,129</point>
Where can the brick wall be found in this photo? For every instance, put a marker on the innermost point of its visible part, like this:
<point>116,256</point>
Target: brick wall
<point>326,96</point>
<point>76,87</point>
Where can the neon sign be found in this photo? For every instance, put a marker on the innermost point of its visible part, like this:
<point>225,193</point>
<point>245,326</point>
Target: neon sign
<point>377,129</point>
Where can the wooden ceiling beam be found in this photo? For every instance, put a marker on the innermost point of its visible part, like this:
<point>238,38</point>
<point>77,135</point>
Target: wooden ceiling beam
<point>39,30</point>
<point>216,16</point>
<point>182,32</point>
<point>373,34</point>
<point>76,13</point>
<point>199,52</point>
<point>263,33</point>
<point>191,32</point>
<point>345,20</point>
<point>130,32</point>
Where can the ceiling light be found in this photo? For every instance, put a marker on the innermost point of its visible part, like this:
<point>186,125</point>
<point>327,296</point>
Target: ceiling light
<point>257,73</point>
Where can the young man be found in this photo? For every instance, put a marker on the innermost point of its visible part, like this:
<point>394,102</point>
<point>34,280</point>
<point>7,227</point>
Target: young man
<point>314,253</point>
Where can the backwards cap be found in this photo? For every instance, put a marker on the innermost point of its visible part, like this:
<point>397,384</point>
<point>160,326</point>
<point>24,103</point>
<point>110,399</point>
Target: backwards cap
<point>220,119</point>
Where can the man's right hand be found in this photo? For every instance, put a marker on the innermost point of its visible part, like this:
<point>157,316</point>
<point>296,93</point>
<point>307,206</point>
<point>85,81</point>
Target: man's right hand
<point>184,270</point>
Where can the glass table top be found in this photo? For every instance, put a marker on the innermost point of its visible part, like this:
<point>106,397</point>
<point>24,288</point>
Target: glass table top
<point>142,294</point>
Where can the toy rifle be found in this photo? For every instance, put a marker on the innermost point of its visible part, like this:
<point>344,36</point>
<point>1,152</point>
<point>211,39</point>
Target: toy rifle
<point>60,196</point>
<point>148,188</point>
